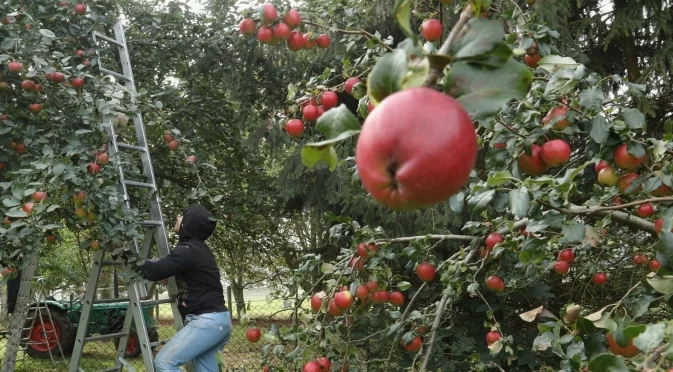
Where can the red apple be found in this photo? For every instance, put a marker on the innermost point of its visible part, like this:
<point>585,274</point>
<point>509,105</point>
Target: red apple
<point>311,113</point>
<point>20,148</point>
<point>329,99</point>
<point>168,136</point>
<point>567,255</point>
<point>658,225</point>
<point>367,250</point>
<point>102,158</point>
<point>415,345</point>
<point>561,267</point>
<point>325,364</point>
<point>362,292</point>
<point>426,271</point>
<point>295,41</point>
<point>93,168</point>
<point>80,9</point>
<point>396,298</point>
<point>79,197</point>
<point>51,238</point>
<point>77,82</point>
<point>281,31</point>
<point>292,18</point>
<point>28,85</point>
<point>599,279</point>
<point>431,29</point>
<point>80,212</point>
<point>494,239</point>
<point>356,263</point>
<point>372,286</point>
<point>264,34</point>
<point>387,155</point>
<point>94,246</point>
<point>316,303</point>
<point>63,4</point>
<point>533,164</point>
<point>253,334</point>
<point>269,13</point>
<point>57,77</point>
<point>190,160</point>
<point>555,152</point>
<point>79,53</point>
<point>343,299</point>
<point>312,366</point>
<point>608,177</point>
<point>334,310</point>
<point>39,87</point>
<point>295,128</point>
<point>654,265</point>
<point>36,107</point>
<point>645,210</point>
<point>7,221</point>
<point>39,196</point>
<point>626,180</point>
<point>309,43</point>
<point>640,260</point>
<point>173,145</point>
<point>380,297</point>
<point>560,113</point>
<point>492,337</point>
<point>28,208</point>
<point>247,27</point>
<point>350,83</point>
<point>532,60</point>
<point>495,284</point>
<point>601,165</point>
<point>15,66</point>
<point>662,190</point>
<point>323,41</point>
<point>625,160</point>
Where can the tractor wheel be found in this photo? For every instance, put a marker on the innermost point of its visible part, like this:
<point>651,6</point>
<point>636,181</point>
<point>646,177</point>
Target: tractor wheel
<point>133,349</point>
<point>44,337</point>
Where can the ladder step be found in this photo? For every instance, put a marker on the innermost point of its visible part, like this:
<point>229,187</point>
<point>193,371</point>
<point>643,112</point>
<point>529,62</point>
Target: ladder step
<point>105,337</point>
<point>131,147</point>
<point>109,39</point>
<point>150,223</point>
<point>111,369</point>
<point>111,300</point>
<point>158,302</point>
<point>139,184</point>
<point>114,74</point>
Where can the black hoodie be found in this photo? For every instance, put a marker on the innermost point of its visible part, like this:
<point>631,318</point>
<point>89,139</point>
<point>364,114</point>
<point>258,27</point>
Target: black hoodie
<point>193,262</point>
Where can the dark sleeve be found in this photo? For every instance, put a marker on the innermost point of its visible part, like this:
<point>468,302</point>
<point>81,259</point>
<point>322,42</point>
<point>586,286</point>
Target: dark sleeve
<point>13,292</point>
<point>179,260</point>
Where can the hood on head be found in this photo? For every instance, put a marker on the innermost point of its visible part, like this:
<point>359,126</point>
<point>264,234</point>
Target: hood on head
<point>197,223</point>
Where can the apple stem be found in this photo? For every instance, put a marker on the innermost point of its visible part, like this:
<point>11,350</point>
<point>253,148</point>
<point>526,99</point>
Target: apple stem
<point>351,32</point>
<point>453,35</point>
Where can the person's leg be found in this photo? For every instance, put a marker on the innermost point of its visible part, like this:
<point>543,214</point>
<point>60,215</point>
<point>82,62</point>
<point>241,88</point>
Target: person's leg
<point>199,335</point>
<point>207,361</point>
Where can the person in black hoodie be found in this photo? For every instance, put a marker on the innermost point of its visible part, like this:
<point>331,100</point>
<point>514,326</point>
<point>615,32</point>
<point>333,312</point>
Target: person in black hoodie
<point>208,323</point>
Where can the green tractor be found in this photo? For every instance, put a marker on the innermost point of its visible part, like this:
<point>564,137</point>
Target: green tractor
<point>42,337</point>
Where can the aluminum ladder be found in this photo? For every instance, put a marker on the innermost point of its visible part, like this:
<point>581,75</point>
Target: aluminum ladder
<point>155,230</point>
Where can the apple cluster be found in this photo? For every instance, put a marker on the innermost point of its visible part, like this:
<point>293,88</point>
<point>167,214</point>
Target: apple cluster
<point>552,153</point>
<point>272,32</point>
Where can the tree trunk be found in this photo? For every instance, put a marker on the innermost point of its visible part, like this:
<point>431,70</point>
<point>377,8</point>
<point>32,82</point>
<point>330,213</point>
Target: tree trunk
<point>629,44</point>
<point>236,285</point>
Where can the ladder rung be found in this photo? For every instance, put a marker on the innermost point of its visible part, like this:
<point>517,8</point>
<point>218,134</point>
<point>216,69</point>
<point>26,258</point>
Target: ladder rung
<point>131,147</point>
<point>115,74</point>
<point>158,302</point>
<point>109,40</point>
<point>111,369</point>
<point>139,184</point>
<point>158,343</point>
<point>150,223</point>
<point>111,300</point>
<point>113,263</point>
<point>108,336</point>
<point>126,364</point>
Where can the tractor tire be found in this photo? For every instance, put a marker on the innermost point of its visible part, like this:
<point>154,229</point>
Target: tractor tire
<point>60,330</point>
<point>133,349</point>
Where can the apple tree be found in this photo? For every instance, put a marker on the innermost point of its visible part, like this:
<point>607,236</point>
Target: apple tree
<point>563,257</point>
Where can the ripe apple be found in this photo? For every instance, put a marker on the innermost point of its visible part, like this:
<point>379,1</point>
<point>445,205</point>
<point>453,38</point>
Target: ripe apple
<point>640,260</point>
<point>295,128</point>
<point>533,164</point>
<point>309,43</point>
<point>57,77</point>
<point>39,196</point>
<point>362,292</point>
<point>662,190</point>
<point>561,267</point>
<point>39,87</point>
<point>253,334</point>
<point>63,4</point>
<point>380,297</point>
<point>567,255</point>
<point>492,337</point>
<point>281,31</point>
<point>370,106</point>
<point>350,83</point>
<point>173,145</point>
<point>264,34</point>
<point>247,27</point>
<point>321,110</point>
<point>599,279</point>
<point>323,41</point>
<point>20,148</point>
<point>608,177</point>
<point>51,238</point>
<point>560,113</point>
<point>36,107</point>
<point>15,66</point>
<point>168,136</point>
<point>316,303</point>
<point>654,265</point>
<point>495,284</point>
<point>372,286</point>
<point>391,166</point>
<point>312,366</point>
<point>367,250</point>
<point>311,113</point>
<point>343,299</point>
<point>329,99</point>
<point>334,310</point>
<point>77,82</point>
<point>600,166</point>
<point>431,29</point>
<point>91,217</point>
<point>7,221</point>
<point>292,18</point>
<point>93,168</point>
<point>629,351</point>
<point>102,158</point>
<point>555,152</point>
<point>266,369</point>
<point>79,53</point>
<point>80,9</point>
<point>79,197</point>
<point>645,210</point>
<point>396,298</point>
<point>625,181</point>
<point>532,60</point>
<point>494,239</point>
<point>426,271</point>
<point>325,364</point>
<point>190,160</point>
<point>269,13</point>
<point>94,246</point>
<point>415,345</point>
<point>80,212</point>
<point>625,160</point>
<point>28,208</point>
<point>356,263</point>
<point>295,41</point>
<point>28,85</point>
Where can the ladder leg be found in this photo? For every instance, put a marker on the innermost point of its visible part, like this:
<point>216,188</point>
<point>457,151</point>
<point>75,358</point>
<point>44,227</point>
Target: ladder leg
<point>89,297</point>
<point>18,318</point>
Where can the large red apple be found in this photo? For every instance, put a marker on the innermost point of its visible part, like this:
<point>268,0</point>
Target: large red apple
<point>295,41</point>
<point>362,292</point>
<point>80,9</point>
<point>311,113</point>
<point>269,13</point>
<point>533,164</point>
<point>334,310</point>
<point>79,53</point>
<point>560,113</point>
<point>654,265</point>
<point>356,263</point>
<point>372,286</point>
<point>415,345</point>
<point>281,31</point>
<point>494,239</point>
<point>495,284</point>
<point>295,128</point>
<point>102,158</point>
<point>292,18</point>
<point>416,150</point>
<point>309,42</point>
<point>36,108</point>
<point>350,83</point>
<point>316,303</point>
<point>253,334</point>
<point>323,41</point>
<point>601,165</point>
<point>492,337</point>
<point>426,271</point>
<point>28,85</point>
<point>329,100</point>
<point>39,196</point>
<point>93,168</point>
<point>264,34</point>
<point>608,177</point>
<point>561,267</point>
<point>325,364</point>
<point>173,145</point>
<point>567,255</point>
<point>380,297</point>
<point>626,180</point>
<point>396,298</point>
<point>57,77</point>
<point>343,299</point>
<point>599,279</point>
<point>20,148</point>
<point>312,366</point>
<point>367,250</point>
<point>431,29</point>
<point>645,210</point>
<point>532,60</point>
<point>247,27</point>
<point>625,160</point>
<point>28,208</point>
<point>15,66</point>
<point>77,82</point>
<point>555,152</point>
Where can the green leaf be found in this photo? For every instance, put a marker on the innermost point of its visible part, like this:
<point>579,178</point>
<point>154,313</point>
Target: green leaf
<point>573,233</point>
<point>418,73</point>
<point>387,75</point>
<point>327,268</point>
<point>552,62</point>
<point>457,202</point>
<point>480,201</point>
<point>336,121</point>
<point>591,98</point>
<point>519,202</point>
<point>59,167</point>
<point>594,345</point>
<point>633,118</point>
<point>499,178</point>
<point>665,249</point>
<point>662,284</point>
<point>402,13</point>
<point>533,252</point>
<point>483,43</point>
<point>599,130</point>
<point>641,305</point>
<point>484,91</point>
<point>393,329</point>
<point>608,363</point>
<point>312,155</point>
<point>11,202</point>
<point>47,33</point>
<point>403,286</point>
<point>359,91</point>
<point>651,338</point>
<point>16,213</point>
<point>544,341</point>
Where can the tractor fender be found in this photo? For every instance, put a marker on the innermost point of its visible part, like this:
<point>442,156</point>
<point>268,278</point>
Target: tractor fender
<point>50,304</point>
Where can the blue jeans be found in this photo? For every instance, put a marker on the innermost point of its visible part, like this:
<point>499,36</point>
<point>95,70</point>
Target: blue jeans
<point>199,340</point>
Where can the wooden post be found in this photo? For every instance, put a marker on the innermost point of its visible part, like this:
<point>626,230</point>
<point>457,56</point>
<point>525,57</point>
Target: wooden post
<point>231,307</point>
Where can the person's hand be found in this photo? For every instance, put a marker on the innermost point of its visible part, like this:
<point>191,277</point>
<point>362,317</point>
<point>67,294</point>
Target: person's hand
<point>164,282</point>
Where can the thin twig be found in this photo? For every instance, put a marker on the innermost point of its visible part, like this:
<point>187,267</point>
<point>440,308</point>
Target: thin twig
<point>352,32</point>
<point>429,237</point>
<point>619,303</point>
<point>509,127</point>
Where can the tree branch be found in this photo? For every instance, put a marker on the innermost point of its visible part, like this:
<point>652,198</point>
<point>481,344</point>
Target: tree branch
<point>352,32</point>
<point>453,35</point>
<point>617,216</point>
